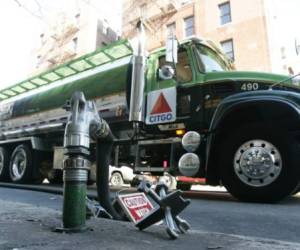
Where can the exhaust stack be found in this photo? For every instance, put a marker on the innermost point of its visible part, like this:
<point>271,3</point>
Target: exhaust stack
<point>136,113</point>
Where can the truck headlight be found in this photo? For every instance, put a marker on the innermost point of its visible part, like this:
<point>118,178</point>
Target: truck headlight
<point>189,164</point>
<point>191,141</point>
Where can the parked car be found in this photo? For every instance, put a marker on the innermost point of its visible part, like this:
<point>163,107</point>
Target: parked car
<point>168,179</point>
<point>120,175</point>
<point>117,175</point>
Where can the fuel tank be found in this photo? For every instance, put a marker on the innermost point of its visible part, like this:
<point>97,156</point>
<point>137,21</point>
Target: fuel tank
<point>97,82</point>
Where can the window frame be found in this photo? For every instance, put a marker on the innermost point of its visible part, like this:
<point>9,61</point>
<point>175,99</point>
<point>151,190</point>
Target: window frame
<point>191,63</point>
<point>171,25</point>
<point>75,44</point>
<point>185,26</point>
<point>201,66</point>
<point>226,14</point>
<point>232,46</point>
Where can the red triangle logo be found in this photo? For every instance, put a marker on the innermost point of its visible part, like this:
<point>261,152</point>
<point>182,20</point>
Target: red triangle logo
<point>161,106</point>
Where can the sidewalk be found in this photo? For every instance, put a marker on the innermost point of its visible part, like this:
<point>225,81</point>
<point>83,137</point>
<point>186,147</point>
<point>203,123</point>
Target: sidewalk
<point>24,226</point>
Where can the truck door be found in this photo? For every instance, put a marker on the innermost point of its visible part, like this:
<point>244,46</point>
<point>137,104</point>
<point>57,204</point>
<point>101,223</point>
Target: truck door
<point>189,90</point>
<point>209,63</point>
<point>189,95</point>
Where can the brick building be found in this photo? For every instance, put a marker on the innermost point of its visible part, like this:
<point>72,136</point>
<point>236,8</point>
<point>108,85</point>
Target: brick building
<point>76,30</point>
<point>250,31</point>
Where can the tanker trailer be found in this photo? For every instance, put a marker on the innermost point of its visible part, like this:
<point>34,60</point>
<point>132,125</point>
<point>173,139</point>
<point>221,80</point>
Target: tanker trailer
<point>182,110</point>
<point>32,118</point>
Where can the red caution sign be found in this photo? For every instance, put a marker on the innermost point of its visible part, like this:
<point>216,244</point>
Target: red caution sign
<point>161,106</point>
<point>135,205</point>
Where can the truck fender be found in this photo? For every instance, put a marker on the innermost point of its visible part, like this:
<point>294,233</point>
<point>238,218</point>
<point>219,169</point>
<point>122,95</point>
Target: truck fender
<point>240,110</point>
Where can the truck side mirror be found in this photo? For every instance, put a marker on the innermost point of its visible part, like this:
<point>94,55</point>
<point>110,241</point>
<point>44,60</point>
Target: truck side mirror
<point>166,72</point>
<point>171,50</point>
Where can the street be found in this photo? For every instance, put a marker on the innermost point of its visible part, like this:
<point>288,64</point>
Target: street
<point>164,97</point>
<point>209,212</point>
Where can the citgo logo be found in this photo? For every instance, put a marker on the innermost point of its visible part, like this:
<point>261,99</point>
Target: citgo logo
<point>161,111</point>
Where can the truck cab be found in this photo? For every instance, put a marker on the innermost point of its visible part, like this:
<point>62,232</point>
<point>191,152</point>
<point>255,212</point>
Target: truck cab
<point>197,59</point>
<point>246,122</point>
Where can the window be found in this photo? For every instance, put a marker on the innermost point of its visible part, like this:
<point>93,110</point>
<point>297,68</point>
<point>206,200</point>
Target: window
<point>228,48</point>
<point>283,52</point>
<point>189,26</point>
<point>171,29</point>
<point>75,43</point>
<point>143,9</point>
<point>38,61</point>
<point>42,37</point>
<point>183,67</point>
<point>209,60</point>
<point>297,46</point>
<point>104,27</point>
<point>225,13</point>
<point>77,18</point>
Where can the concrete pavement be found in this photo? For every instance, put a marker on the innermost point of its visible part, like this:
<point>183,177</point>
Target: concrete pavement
<point>24,226</point>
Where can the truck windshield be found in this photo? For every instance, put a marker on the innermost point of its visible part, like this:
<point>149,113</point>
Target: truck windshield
<point>209,60</point>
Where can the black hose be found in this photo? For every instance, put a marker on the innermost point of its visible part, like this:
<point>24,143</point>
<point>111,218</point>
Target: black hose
<point>104,148</point>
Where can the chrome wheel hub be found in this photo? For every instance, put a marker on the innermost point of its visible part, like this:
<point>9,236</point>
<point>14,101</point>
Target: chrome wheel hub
<point>257,163</point>
<point>19,165</point>
<point>116,180</point>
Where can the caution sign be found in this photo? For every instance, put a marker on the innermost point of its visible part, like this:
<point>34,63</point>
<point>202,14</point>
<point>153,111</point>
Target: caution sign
<point>161,106</point>
<point>135,205</point>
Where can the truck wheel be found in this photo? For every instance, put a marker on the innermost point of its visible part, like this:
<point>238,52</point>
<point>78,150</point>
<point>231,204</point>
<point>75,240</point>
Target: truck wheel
<point>260,164</point>
<point>4,162</point>
<point>21,164</point>
<point>116,179</point>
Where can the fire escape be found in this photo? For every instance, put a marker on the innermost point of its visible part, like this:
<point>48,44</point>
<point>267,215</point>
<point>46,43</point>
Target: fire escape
<point>59,46</point>
<point>154,13</point>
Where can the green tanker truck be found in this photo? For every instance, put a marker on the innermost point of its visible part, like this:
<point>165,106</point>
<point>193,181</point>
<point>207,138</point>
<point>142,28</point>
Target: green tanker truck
<point>181,109</point>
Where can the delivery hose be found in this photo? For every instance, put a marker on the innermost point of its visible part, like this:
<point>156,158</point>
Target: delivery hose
<point>104,148</point>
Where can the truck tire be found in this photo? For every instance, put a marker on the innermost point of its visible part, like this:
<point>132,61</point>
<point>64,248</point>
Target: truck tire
<point>21,164</point>
<point>259,163</point>
<point>4,164</point>
<point>116,179</point>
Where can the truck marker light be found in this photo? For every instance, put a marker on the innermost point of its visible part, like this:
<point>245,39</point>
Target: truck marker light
<point>180,131</point>
<point>191,141</point>
<point>189,164</point>
<point>165,164</point>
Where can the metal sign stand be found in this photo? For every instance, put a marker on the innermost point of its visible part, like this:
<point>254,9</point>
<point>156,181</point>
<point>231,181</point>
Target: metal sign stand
<point>170,205</point>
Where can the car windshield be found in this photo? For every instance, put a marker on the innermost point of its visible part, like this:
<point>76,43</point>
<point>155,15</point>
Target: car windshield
<point>209,60</point>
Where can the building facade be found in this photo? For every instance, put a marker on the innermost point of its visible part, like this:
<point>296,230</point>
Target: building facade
<point>76,30</point>
<point>247,30</point>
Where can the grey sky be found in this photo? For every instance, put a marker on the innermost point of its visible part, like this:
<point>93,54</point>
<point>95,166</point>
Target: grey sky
<point>21,21</point>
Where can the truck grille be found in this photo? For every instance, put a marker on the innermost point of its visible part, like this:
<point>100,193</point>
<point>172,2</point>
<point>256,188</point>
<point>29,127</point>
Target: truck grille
<point>223,88</point>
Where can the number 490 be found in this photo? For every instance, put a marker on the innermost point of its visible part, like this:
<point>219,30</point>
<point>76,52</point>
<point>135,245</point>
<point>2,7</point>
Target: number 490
<point>250,86</point>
